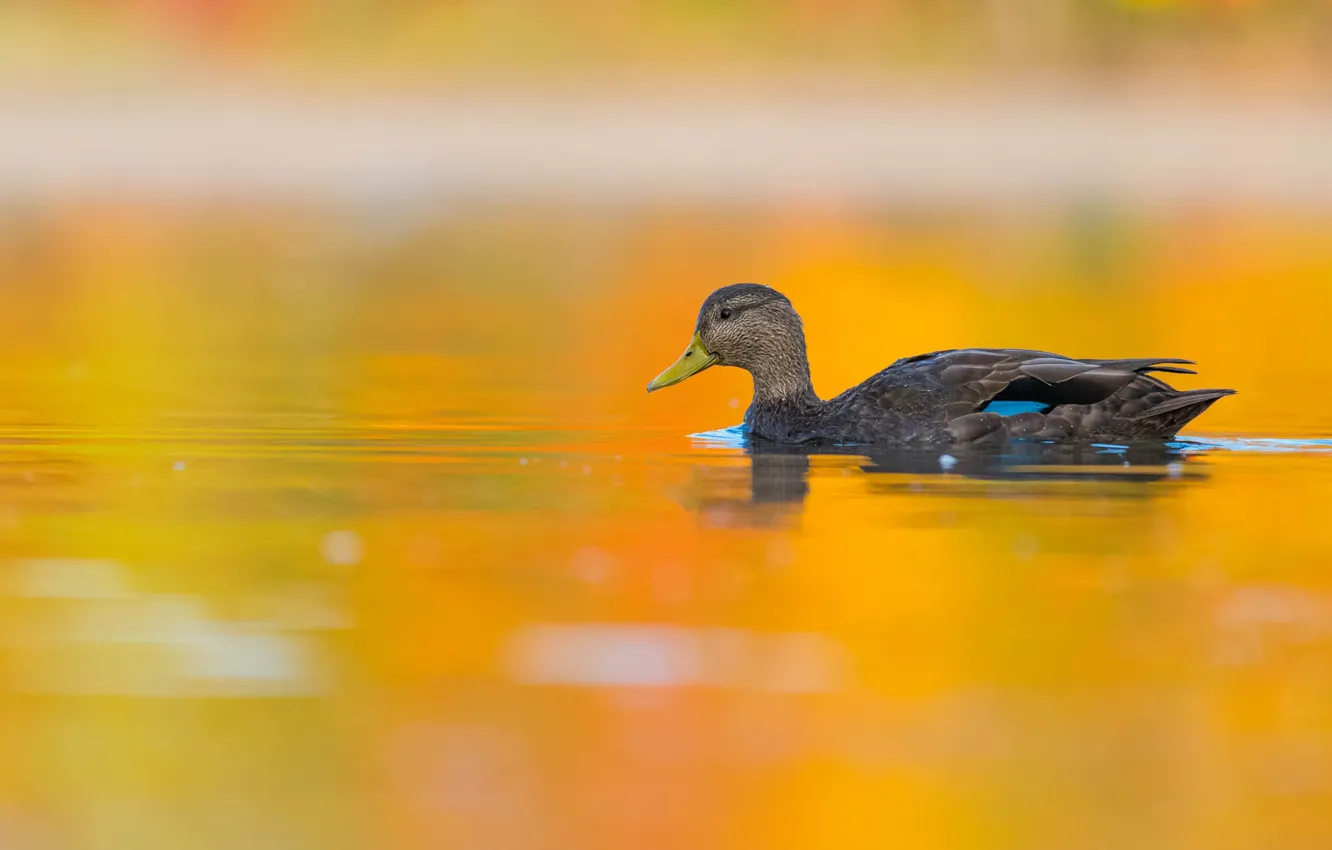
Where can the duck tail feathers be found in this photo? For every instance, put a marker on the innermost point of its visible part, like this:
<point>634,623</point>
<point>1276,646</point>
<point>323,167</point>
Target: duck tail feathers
<point>1184,406</point>
<point>1143,365</point>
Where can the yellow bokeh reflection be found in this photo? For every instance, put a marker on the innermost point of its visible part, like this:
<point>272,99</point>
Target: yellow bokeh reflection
<point>316,535</point>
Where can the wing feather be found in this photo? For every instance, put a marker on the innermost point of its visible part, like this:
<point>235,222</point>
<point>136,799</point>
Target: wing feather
<point>971,378</point>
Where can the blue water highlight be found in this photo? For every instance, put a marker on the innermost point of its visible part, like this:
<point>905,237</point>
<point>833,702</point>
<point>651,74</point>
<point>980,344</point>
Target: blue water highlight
<point>737,437</point>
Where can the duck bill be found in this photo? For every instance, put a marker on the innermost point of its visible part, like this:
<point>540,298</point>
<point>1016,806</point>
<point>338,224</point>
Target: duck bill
<point>695,359</point>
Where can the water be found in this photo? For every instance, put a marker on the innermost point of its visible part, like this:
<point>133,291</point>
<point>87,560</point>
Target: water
<point>320,536</point>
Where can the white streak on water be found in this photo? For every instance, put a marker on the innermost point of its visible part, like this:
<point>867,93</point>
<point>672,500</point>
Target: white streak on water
<point>644,655</point>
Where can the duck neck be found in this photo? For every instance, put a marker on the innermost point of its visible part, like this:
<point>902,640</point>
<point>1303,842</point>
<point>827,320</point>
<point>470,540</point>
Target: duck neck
<point>783,380</point>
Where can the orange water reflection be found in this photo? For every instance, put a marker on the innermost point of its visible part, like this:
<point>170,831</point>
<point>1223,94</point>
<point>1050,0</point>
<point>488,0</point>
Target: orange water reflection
<point>324,532</point>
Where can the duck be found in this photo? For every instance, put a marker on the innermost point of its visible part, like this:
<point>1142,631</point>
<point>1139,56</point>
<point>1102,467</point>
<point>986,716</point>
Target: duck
<point>955,396</point>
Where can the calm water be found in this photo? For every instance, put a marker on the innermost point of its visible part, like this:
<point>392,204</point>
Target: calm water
<point>327,531</point>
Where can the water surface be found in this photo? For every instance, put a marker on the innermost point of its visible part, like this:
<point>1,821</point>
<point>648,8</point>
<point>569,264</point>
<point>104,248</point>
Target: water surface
<point>319,534</point>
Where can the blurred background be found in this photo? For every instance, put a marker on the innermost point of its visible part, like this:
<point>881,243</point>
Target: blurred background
<point>333,513</point>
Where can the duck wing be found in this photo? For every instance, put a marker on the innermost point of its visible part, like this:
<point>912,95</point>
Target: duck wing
<point>1061,396</point>
<point>967,379</point>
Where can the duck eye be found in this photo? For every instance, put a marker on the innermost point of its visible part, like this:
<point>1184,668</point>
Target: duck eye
<point>725,313</point>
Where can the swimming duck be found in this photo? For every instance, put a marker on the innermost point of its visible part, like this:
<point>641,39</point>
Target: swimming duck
<point>958,395</point>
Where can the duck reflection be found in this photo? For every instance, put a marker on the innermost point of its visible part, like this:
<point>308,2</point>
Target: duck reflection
<point>778,474</point>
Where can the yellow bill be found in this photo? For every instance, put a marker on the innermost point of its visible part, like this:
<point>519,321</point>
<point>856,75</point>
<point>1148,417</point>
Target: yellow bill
<point>695,359</point>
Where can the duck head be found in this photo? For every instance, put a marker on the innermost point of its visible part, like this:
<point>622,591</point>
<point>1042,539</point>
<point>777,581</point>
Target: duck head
<point>753,327</point>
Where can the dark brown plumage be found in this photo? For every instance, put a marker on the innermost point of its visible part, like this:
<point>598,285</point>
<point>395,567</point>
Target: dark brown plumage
<point>938,397</point>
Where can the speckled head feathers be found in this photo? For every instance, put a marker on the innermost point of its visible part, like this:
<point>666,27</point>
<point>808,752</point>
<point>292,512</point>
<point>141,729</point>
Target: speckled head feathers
<point>739,296</point>
<point>755,328</point>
